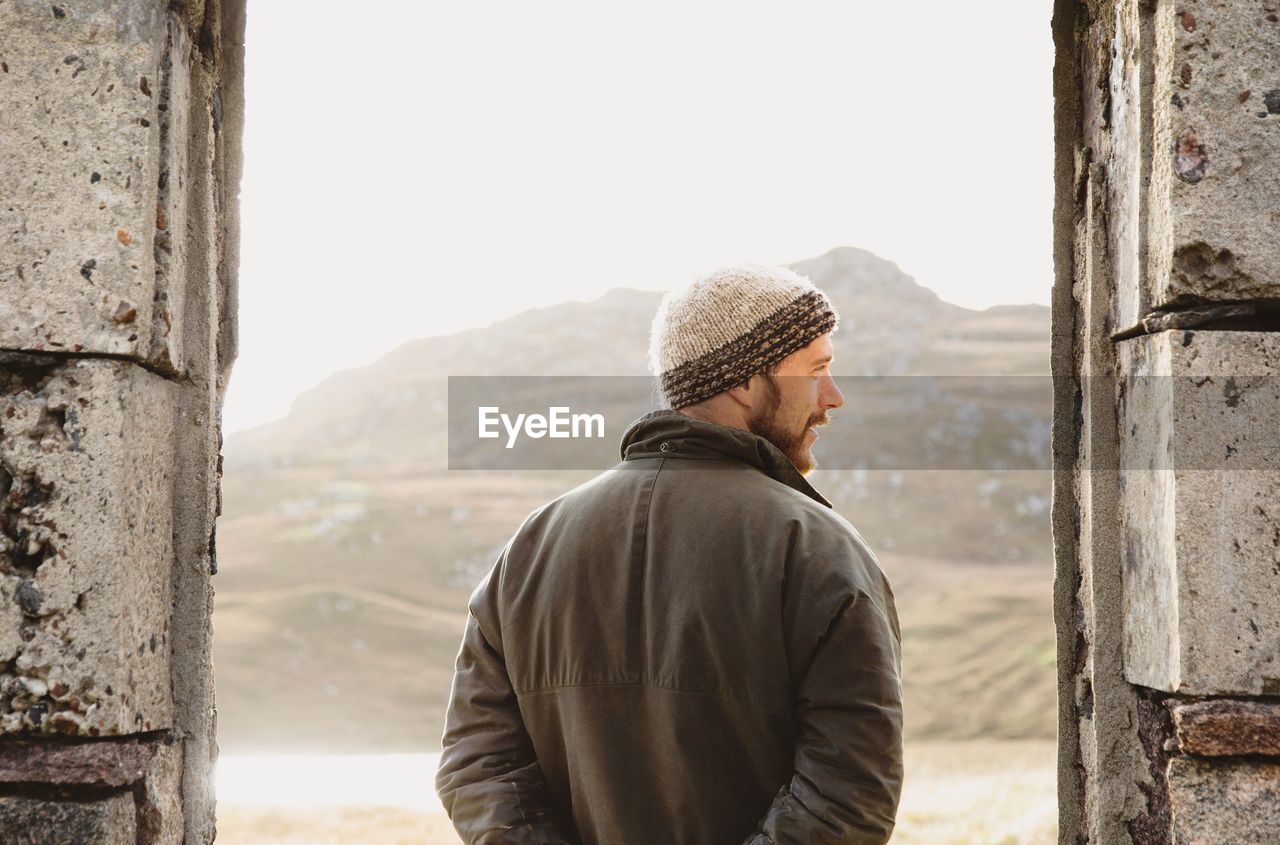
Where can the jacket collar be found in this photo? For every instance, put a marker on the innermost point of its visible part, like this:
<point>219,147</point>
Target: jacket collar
<point>667,433</point>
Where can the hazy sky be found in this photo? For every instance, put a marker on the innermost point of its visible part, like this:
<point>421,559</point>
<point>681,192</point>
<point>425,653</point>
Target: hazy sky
<point>418,168</point>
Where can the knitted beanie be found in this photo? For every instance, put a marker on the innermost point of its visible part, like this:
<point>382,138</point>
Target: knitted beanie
<point>731,324</point>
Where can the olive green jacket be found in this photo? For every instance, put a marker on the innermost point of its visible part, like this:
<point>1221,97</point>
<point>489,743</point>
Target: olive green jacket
<point>692,648</point>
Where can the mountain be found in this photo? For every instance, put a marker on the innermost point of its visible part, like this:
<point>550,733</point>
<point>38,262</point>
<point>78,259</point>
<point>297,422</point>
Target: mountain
<point>347,549</point>
<point>392,412</point>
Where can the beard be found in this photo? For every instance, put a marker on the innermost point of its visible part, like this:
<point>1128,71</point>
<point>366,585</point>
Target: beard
<point>789,436</point>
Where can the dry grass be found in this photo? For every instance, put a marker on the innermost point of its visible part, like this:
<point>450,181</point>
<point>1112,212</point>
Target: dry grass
<point>339,826</point>
<point>956,793</point>
<point>979,793</point>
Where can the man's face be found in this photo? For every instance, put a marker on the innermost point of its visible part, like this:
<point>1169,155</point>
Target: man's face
<point>797,397</point>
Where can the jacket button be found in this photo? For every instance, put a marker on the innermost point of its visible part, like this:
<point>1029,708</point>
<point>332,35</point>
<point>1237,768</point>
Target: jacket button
<point>665,446</point>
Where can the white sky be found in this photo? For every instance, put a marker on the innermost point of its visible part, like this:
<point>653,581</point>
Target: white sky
<point>417,168</point>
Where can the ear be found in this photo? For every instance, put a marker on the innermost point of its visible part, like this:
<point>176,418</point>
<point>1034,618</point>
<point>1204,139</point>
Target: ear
<point>750,394</point>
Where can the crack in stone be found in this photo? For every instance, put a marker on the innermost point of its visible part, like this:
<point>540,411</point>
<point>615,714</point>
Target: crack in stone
<point>1258,315</point>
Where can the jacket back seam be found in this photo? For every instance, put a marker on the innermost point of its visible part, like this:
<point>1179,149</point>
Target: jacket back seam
<point>781,711</point>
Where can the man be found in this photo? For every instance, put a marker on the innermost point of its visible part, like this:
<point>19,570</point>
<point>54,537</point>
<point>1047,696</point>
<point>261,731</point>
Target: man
<point>692,647</point>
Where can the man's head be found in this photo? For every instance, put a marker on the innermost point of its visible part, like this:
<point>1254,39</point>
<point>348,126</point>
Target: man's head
<point>750,347</point>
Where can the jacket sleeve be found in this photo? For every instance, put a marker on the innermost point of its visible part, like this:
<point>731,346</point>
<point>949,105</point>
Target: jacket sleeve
<point>848,757</point>
<point>489,780</point>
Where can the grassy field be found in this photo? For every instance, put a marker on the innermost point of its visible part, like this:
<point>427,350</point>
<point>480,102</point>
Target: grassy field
<point>341,601</point>
<point>956,793</point>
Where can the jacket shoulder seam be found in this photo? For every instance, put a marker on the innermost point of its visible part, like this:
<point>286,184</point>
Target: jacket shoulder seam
<point>634,645</point>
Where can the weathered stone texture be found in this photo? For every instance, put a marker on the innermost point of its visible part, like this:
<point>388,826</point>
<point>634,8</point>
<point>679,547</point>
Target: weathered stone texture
<point>118,250</point>
<point>1188,132</point>
<point>1200,474</point>
<point>160,810</point>
<point>86,548</point>
<point>95,109</point>
<point>1223,109</point>
<point>1224,802</point>
<point>1119,136</point>
<point>1228,727</point>
<point>102,764</point>
<point>35,821</point>
<point>1167,453</point>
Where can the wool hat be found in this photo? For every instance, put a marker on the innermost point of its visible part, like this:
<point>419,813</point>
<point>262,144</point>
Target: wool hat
<point>725,327</point>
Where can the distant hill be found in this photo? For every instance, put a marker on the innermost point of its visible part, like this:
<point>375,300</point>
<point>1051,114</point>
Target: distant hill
<point>392,412</point>
<point>347,550</point>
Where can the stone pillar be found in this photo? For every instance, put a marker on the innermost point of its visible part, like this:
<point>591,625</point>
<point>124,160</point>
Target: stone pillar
<point>1166,362</point>
<point>119,181</point>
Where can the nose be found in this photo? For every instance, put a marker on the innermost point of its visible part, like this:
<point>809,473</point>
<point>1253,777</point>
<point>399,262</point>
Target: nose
<point>831,395</point>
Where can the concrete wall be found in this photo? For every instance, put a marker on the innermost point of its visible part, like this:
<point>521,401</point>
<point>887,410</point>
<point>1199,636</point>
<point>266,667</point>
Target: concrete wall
<point>1166,360</point>
<point>119,182</point>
